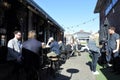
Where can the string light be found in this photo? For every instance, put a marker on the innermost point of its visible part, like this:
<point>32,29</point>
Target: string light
<point>86,22</point>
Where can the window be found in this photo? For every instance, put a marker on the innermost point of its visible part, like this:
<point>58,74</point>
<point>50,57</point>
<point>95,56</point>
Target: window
<point>110,6</point>
<point>114,2</point>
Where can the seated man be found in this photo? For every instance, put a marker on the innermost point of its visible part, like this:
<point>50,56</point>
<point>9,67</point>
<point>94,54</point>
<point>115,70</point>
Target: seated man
<point>32,44</point>
<point>31,55</point>
<point>54,46</point>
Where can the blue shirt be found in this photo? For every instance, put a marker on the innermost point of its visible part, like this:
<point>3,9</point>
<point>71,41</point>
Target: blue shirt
<point>112,41</point>
<point>55,47</point>
<point>92,46</point>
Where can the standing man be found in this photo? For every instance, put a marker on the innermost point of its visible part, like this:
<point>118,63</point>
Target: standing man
<point>14,47</point>
<point>95,53</point>
<point>113,46</point>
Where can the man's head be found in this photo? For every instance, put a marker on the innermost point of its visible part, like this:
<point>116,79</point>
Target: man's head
<point>2,36</point>
<point>32,34</point>
<point>111,30</point>
<point>17,34</point>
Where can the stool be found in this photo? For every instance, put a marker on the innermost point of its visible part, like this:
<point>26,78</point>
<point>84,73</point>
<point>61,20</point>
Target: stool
<point>54,65</point>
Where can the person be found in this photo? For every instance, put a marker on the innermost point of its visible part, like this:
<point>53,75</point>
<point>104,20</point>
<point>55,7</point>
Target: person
<point>54,46</point>
<point>68,49</point>
<point>14,47</point>
<point>103,50</point>
<point>3,40</point>
<point>63,51</point>
<point>75,49</point>
<point>95,54</point>
<point>62,47</point>
<point>113,47</point>
<point>14,53</point>
<point>32,43</point>
<point>3,49</point>
<point>31,55</point>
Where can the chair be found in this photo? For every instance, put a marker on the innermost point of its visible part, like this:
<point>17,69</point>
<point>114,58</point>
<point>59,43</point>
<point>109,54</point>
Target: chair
<point>3,54</point>
<point>54,65</point>
<point>31,62</point>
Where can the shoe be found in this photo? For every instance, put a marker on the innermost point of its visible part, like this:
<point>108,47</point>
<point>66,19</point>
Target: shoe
<point>109,65</point>
<point>79,54</point>
<point>95,73</point>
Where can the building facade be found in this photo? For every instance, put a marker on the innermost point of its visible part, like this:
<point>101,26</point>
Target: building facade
<point>109,13</point>
<point>25,15</point>
<point>81,35</point>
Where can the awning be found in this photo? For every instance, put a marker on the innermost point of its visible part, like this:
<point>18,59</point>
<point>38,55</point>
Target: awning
<point>99,5</point>
<point>36,6</point>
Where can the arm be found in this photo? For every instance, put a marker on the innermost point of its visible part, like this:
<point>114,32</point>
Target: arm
<point>47,45</point>
<point>117,47</point>
<point>11,50</point>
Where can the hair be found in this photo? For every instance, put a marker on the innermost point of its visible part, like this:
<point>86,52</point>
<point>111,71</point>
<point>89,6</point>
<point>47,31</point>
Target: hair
<point>32,34</point>
<point>112,28</point>
<point>15,32</point>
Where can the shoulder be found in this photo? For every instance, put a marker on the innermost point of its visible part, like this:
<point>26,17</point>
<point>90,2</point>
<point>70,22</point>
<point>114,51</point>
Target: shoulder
<point>35,41</point>
<point>11,41</point>
<point>39,42</point>
<point>117,35</point>
<point>25,42</point>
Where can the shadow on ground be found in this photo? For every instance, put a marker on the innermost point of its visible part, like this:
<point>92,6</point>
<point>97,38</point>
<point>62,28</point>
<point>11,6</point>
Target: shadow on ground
<point>89,64</point>
<point>63,77</point>
<point>110,75</point>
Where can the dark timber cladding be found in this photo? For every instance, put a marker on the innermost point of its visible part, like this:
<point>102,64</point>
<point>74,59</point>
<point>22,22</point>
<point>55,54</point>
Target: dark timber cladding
<point>109,12</point>
<point>25,15</point>
<point>31,2</point>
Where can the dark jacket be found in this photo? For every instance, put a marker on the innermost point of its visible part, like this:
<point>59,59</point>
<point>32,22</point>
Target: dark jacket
<point>32,45</point>
<point>31,54</point>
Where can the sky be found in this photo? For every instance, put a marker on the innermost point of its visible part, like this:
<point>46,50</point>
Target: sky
<point>72,15</point>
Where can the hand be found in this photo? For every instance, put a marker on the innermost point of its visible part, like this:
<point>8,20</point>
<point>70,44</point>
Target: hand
<point>114,51</point>
<point>19,59</point>
<point>47,46</point>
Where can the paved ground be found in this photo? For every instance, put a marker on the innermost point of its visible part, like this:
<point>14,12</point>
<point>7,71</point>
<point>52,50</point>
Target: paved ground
<point>76,68</point>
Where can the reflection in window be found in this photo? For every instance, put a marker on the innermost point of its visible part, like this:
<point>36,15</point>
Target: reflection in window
<point>114,2</point>
<point>110,6</point>
<point>2,40</point>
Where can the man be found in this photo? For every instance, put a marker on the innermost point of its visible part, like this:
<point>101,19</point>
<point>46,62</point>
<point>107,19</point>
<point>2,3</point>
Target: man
<point>54,46</point>
<point>14,53</point>
<point>62,47</point>
<point>31,55</point>
<point>14,47</point>
<point>32,43</point>
<point>95,53</point>
<point>113,47</point>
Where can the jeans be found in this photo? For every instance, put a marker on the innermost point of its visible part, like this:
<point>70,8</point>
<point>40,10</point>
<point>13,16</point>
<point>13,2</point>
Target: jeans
<point>95,56</point>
